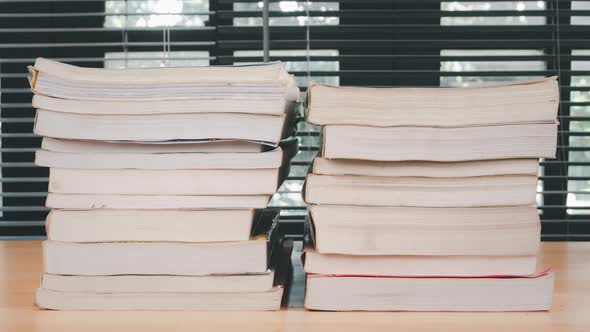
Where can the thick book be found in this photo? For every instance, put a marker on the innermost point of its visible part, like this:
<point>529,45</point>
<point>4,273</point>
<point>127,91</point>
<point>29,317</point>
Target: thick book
<point>252,291</point>
<point>186,160</point>
<point>378,293</point>
<point>530,101</point>
<point>164,182</point>
<point>418,265</point>
<point>155,202</point>
<point>104,225</point>
<point>504,190</point>
<point>531,140</point>
<point>323,166</point>
<point>60,80</point>
<point>160,301</point>
<point>167,258</point>
<point>155,258</point>
<point>206,146</point>
<point>498,231</point>
<point>133,283</point>
<point>270,105</point>
<point>267,129</point>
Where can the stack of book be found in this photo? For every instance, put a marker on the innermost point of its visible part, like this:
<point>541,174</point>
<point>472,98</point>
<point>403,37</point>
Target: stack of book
<point>159,180</point>
<point>423,199</point>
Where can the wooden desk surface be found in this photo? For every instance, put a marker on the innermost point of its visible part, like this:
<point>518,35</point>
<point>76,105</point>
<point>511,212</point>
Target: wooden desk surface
<point>20,267</point>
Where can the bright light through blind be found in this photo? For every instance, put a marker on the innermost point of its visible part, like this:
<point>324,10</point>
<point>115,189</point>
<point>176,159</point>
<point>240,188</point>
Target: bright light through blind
<point>156,13</point>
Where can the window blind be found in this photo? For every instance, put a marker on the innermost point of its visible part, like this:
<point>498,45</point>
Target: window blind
<point>367,43</point>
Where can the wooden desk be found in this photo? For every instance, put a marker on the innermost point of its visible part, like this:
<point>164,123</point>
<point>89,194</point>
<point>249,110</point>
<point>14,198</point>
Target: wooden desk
<point>20,267</point>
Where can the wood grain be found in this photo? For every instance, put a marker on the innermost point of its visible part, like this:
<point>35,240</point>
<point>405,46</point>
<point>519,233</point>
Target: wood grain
<point>21,265</point>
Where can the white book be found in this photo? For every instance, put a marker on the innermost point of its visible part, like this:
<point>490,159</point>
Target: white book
<point>496,231</point>
<point>271,105</point>
<point>419,265</point>
<point>537,140</point>
<point>187,160</point>
<point>55,79</point>
<point>505,190</point>
<point>530,101</point>
<point>102,225</point>
<point>155,258</point>
<point>226,283</point>
<point>268,301</point>
<point>155,202</point>
<point>160,127</point>
<point>343,293</point>
<point>164,182</point>
<point>206,146</point>
<point>323,166</point>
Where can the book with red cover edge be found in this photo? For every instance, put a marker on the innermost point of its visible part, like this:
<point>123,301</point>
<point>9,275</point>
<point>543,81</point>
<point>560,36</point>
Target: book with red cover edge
<point>539,273</point>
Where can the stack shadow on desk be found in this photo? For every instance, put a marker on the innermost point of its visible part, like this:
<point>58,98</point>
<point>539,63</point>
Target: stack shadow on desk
<point>425,199</point>
<point>159,185</point>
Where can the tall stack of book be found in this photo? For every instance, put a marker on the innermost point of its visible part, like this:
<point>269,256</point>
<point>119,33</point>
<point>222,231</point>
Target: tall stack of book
<point>423,199</point>
<point>159,180</point>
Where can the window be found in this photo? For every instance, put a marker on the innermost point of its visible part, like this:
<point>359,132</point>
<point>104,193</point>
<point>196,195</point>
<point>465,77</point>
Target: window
<point>580,19</point>
<point>301,66</point>
<point>119,60</point>
<point>296,11</point>
<point>493,13</point>
<point>480,62</point>
<point>156,13</point>
<point>367,43</point>
<point>135,14</point>
<point>578,199</point>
